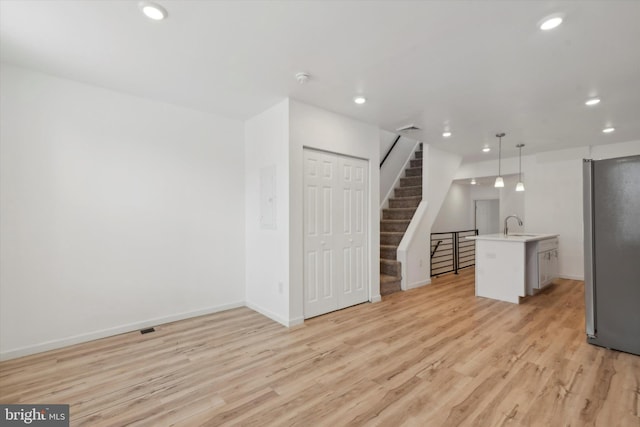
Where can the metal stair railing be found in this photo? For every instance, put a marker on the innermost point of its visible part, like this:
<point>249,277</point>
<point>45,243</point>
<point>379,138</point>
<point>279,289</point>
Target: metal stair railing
<point>451,251</point>
<point>390,150</point>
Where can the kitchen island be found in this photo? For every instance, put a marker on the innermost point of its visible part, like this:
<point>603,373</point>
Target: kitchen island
<point>509,267</point>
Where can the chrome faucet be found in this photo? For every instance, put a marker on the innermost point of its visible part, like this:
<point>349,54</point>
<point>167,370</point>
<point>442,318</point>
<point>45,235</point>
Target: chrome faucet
<point>506,228</point>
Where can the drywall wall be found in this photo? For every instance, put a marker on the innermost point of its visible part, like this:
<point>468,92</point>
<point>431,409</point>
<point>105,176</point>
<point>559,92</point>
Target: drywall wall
<point>553,194</point>
<point>117,212</point>
<point>386,141</point>
<point>393,168</point>
<point>483,192</point>
<point>456,212</point>
<point>315,128</point>
<point>610,151</point>
<point>488,168</point>
<point>554,202</point>
<point>512,203</point>
<point>458,208</point>
<point>413,251</point>
<point>266,241</point>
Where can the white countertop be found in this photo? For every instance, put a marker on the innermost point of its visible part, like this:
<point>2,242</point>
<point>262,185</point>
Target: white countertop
<point>515,237</point>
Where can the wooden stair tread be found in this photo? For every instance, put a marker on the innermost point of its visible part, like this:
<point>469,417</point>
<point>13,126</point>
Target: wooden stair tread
<point>385,278</point>
<point>400,209</point>
<point>406,198</point>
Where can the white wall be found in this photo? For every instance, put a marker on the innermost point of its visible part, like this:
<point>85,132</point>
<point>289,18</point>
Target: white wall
<point>267,250</point>
<point>512,202</point>
<point>386,141</point>
<point>117,212</point>
<point>394,166</point>
<point>414,249</point>
<point>457,210</point>
<point>316,128</point>
<point>484,192</point>
<point>622,149</point>
<point>490,167</point>
<point>553,195</point>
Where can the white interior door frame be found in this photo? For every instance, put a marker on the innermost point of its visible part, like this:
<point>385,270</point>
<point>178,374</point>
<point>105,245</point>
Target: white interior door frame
<point>486,217</point>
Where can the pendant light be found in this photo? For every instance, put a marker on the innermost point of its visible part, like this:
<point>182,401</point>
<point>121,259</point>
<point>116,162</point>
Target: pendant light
<point>520,184</point>
<point>499,181</point>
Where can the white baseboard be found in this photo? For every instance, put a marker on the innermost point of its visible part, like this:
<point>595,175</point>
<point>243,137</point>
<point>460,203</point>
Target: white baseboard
<point>295,322</point>
<point>275,317</point>
<point>376,298</point>
<point>109,332</point>
<point>418,284</point>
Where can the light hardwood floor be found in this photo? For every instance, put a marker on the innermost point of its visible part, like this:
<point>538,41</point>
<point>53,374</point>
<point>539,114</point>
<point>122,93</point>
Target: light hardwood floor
<point>434,356</point>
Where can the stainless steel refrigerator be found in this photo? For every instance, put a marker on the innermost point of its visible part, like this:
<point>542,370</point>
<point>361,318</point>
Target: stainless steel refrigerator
<point>612,252</point>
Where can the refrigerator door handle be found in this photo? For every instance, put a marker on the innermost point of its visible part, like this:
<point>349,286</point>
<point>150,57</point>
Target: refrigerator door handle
<point>589,268</point>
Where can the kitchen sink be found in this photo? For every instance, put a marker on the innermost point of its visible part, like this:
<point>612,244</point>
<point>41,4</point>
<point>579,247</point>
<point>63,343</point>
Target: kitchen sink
<point>522,234</point>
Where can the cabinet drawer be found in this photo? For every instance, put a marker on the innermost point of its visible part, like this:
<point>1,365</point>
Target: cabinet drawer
<point>547,244</point>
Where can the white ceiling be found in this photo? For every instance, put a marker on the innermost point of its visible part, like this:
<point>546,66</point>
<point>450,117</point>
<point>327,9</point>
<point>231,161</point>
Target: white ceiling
<point>477,66</point>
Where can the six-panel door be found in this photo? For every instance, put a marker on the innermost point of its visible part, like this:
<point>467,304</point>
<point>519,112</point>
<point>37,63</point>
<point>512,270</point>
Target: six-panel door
<point>335,232</point>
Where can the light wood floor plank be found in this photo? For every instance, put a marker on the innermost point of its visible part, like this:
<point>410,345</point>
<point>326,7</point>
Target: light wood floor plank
<point>433,356</point>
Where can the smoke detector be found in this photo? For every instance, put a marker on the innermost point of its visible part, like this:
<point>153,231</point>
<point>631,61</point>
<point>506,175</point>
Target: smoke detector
<point>302,77</point>
<point>407,128</point>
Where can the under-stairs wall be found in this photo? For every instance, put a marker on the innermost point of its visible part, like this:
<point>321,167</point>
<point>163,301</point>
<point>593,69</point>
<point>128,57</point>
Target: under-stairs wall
<point>393,168</point>
<point>439,170</point>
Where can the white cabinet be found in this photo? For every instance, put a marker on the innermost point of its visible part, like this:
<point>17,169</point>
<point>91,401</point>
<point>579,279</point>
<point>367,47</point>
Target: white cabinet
<point>509,267</point>
<point>547,267</point>
<point>542,264</point>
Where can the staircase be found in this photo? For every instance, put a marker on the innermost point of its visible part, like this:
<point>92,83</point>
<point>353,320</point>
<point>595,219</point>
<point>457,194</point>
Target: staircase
<point>395,221</point>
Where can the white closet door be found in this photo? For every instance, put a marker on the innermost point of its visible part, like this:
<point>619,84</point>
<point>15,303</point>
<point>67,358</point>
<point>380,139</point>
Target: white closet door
<point>335,232</point>
<point>353,231</point>
<point>320,270</point>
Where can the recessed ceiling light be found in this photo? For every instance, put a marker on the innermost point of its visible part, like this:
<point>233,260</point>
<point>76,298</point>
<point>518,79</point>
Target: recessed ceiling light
<point>608,130</point>
<point>592,101</point>
<point>153,11</point>
<point>359,100</point>
<point>473,181</point>
<point>486,149</point>
<point>446,134</point>
<point>550,22</point>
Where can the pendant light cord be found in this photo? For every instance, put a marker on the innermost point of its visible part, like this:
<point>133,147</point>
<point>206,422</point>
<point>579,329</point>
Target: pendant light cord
<point>520,164</point>
<point>519,146</point>
<point>499,155</point>
<point>500,135</point>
